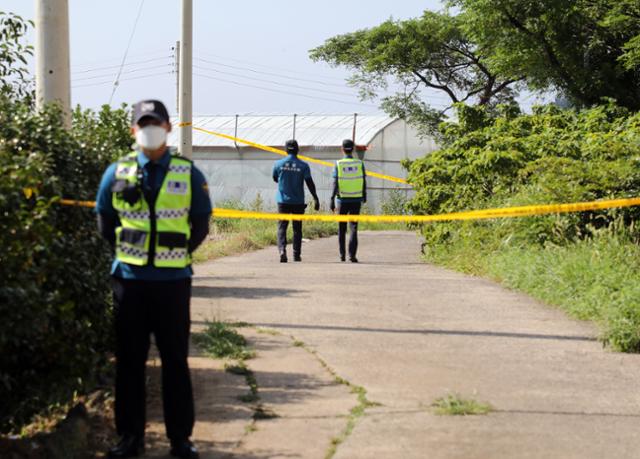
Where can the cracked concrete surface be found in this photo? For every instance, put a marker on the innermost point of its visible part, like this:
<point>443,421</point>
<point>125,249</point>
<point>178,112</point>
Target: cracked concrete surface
<point>408,333</point>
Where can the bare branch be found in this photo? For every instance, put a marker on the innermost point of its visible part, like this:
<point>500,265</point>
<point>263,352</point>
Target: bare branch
<point>441,87</point>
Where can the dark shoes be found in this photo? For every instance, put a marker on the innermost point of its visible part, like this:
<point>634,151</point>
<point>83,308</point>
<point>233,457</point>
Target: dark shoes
<point>283,257</point>
<point>133,446</point>
<point>353,259</point>
<point>184,449</point>
<point>129,446</point>
<point>342,258</point>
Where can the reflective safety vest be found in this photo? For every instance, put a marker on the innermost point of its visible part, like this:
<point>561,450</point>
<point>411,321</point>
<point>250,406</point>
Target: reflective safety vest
<point>350,178</point>
<point>169,216</point>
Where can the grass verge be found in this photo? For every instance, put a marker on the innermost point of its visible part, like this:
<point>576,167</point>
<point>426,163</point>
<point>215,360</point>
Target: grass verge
<point>594,279</point>
<point>455,405</point>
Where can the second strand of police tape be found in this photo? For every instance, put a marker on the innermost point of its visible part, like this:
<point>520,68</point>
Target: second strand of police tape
<point>283,153</point>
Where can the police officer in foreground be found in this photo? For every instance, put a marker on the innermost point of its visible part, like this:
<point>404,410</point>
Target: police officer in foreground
<point>291,174</point>
<point>350,187</point>
<point>154,209</point>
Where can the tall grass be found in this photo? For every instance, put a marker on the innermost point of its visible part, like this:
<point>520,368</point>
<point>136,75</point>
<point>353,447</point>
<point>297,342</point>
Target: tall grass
<point>593,279</point>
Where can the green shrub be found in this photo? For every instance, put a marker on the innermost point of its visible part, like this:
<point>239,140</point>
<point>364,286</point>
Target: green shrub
<point>550,156</point>
<point>54,299</point>
<point>587,262</point>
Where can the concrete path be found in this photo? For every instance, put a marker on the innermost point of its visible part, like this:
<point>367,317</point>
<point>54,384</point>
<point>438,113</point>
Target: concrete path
<point>408,333</point>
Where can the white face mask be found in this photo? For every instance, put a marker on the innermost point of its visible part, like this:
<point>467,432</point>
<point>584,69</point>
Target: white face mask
<point>151,137</point>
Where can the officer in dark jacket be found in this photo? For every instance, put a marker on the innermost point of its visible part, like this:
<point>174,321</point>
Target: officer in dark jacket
<point>154,208</point>
<point>291,174</point>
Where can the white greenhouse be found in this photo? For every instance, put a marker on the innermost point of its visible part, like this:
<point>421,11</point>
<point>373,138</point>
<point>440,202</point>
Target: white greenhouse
<point>240,173</point>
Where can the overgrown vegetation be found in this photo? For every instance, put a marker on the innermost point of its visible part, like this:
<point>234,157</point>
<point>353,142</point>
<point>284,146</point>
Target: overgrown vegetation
<point>456,405</point>
<point>54,295</point>
<point>583,262</point>
<point>221,341</point>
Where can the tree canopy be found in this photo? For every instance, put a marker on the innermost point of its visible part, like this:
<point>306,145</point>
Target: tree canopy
<point>432,51</point>
<point>586,50</point>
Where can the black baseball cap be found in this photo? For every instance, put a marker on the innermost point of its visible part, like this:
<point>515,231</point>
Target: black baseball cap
<point>348,145</point>
<point>151,108</point>
<point>292,146</point>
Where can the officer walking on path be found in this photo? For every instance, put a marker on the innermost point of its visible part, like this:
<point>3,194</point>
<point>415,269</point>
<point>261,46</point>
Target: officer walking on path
<point>291,174</point>
<point>350,187</point>
<point>154,209</point>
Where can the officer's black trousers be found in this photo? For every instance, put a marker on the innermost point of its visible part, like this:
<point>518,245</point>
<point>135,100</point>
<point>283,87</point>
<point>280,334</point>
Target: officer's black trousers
<point>297,227</point>
<point>161,308</point>
<point>348,208</point>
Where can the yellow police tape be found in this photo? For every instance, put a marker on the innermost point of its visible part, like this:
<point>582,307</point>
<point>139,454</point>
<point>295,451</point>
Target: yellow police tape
<point>283,153</point>
<point>504,212</point>
<point>74,203</point>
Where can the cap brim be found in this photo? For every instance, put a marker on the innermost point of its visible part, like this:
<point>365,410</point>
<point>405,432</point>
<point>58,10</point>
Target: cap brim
<point>149,115</point>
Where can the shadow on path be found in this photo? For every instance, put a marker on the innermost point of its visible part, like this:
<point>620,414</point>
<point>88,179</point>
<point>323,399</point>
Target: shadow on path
<point>251,293</point>
<point>427,331</point>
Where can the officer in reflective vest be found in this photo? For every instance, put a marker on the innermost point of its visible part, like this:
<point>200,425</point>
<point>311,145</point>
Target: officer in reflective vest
<point>350,187</point>
<point>154,208</point>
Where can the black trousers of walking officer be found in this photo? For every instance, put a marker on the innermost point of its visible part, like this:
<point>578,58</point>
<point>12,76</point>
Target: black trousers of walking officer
<point>348,208</point>
<point>161,308</point>
<point>297,228</point>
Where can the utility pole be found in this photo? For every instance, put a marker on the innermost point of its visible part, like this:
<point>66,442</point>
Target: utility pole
<point>52,55</point>
<point>177,69</point>
<point>355,123</point>
<point>295,118</point>
<point>186,81</point>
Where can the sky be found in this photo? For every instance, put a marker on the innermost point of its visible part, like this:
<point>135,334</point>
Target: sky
<point>250,56</point>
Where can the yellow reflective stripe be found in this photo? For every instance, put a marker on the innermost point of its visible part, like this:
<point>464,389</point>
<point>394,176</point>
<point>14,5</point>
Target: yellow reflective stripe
<point>284,153</point>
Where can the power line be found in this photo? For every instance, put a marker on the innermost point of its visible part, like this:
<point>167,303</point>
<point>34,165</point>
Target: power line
<point>280,91</point>
<point>110,75</point>
<point>279,75</point>
<point>326,77</point>
<point>118,60</point>
<point>124,79</point>
<point>128,64</point>
<point>286,85</point>
<point>124,58</point>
